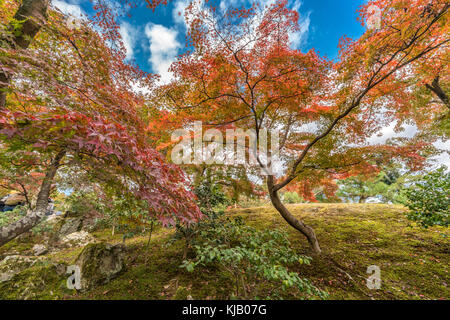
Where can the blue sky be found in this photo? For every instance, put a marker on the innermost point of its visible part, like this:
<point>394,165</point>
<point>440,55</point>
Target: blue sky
<point>154,39</point>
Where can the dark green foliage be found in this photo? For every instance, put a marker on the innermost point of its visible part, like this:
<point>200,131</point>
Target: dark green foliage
<point>210,196</point>
<point>211,201</point>
<point>257,261</point>
<point>387,186</point>
<point>429,199</point>
<point>292,197</point>
<point>11,216</point>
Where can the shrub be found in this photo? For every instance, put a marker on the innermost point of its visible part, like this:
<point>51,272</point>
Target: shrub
<point>9,217</point>
<point>292,197</point>
<point>257,261</point>
<point>212,202</point>
<point>428,200</point>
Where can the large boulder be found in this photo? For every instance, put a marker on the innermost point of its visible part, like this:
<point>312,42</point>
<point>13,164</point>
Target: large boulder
<point>14,199</point>
<point>99,263</point>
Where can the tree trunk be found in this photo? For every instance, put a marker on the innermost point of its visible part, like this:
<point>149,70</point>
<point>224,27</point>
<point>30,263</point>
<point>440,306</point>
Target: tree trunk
<point>307,231</point>
<point>34,12</point>
<point>33,217</point>
<point>437,89</point>
<point>150,235</point>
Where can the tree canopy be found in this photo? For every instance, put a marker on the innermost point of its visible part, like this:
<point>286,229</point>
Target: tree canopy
<point>71,103</point>
<point>242,72</point>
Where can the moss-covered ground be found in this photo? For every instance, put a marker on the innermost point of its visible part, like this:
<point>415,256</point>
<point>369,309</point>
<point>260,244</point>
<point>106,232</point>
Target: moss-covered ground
<point>414,263</point>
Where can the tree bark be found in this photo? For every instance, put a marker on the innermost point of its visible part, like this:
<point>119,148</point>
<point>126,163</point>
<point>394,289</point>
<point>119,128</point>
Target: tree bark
<point>34,12</point>
<point>33,217</point>
<point>306,230</point>
<point>150,235</point>
<point>437,89</point>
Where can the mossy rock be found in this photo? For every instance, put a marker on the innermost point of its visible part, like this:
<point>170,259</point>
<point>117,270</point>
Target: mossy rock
<point>16,247</point>
<point>69,226</point>
<point>14,264</point>
<point>100,263</point>
<point>45,282</point>
<point>64,225</point>
<point>73,214</point>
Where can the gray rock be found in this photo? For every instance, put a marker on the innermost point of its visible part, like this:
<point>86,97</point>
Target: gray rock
<point>39,249</point>
<point>70,225</point>
<point>100,263</point>
<point>77,239</point>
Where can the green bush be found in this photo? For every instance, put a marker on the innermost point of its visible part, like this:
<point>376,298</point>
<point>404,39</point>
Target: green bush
<point>257,261</point>
<point>212,202</point>
<point>428,200</point>
<point>292,197</point>
<point>9,217</point>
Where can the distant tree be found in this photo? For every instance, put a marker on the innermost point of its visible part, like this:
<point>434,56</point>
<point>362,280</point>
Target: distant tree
<point>291,197</point>
<point>233,181</point>
<point>384,185</point>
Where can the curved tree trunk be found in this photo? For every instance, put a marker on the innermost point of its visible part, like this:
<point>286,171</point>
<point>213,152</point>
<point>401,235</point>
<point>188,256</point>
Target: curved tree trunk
<point>438,91</point>
<point>34,12</point>
<point>33,217</point>
<point>306,230</point>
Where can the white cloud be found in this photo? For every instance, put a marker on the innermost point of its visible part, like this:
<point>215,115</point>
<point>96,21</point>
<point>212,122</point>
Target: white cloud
<point>69,7</point>
<point>439,160</point>
<point>178,11</point>
<point>300,37</point>
<point>164,48</point>
<point>129,36</point>
<point>388,133</point>
<point>444,157</point>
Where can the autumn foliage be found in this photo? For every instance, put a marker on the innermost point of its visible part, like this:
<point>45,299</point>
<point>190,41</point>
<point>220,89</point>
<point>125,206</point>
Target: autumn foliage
<point>243,72</point>
<point>72,96</point>
<point>73,93</point>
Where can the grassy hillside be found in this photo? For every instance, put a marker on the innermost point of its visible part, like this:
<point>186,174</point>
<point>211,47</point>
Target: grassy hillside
<point>414,263</point>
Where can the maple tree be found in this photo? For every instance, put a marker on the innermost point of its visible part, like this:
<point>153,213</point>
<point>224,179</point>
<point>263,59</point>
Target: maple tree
<point>70,103</point>
<point>242,72</point>
<point>18,173</point>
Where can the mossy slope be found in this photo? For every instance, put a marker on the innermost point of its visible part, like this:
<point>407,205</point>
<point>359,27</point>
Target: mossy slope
<point>414,263</point>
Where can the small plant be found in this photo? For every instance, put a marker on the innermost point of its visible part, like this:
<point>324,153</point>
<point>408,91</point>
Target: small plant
<point>257,261</point>
<point>212,202</point>
<point>429,199</point>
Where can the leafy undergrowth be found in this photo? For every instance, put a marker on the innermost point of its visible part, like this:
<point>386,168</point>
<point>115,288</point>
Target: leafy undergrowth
<point>413,262</point>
